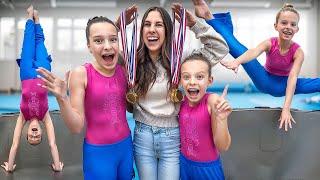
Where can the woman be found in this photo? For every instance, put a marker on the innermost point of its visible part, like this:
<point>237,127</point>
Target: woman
<point>156,135</point>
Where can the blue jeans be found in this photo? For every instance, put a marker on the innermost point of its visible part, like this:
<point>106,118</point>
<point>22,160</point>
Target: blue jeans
<point>156,152</point>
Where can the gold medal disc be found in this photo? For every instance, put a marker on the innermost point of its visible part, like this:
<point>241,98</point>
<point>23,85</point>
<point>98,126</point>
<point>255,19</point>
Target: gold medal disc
<point>176,95</point>
<point>132,97</point>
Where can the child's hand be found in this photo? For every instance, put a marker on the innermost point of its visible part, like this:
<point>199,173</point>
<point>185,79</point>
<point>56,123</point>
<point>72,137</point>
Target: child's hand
<point>6,167</point>
<point>191,21</point>
<point>285,119</point>
<point>53,83</point>
<point>59,168</point>
<point>129,15</point>
<point>234,65</point>
<point>202,10</point>
<point>223,109</point>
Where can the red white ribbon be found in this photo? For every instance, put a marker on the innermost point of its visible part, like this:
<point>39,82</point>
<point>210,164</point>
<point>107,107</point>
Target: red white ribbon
<point>129,59</point>
<point>177,46</point>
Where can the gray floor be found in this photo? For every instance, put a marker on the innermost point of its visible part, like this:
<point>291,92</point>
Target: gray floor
<point>33,162</point>
<point>259,149</point>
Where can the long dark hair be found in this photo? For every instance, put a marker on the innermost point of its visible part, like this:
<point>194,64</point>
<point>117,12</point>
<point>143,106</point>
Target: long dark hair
<point>146,69</point>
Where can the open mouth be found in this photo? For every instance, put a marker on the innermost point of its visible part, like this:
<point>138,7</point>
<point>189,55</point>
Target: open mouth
<point>152,39</point>
<point>287,33</point>
<point>108,58</point>
<point>193,92</point>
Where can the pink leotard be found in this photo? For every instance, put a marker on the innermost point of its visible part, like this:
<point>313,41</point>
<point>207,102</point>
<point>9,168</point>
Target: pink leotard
<point>277,63</point>
<point>34,99</point>
<point>195,132</point>
<point>105,106</point>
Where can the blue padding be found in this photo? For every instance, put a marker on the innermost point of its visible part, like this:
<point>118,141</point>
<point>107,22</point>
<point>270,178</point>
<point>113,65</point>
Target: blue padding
<point>233,87</point>
<point>263,80</point>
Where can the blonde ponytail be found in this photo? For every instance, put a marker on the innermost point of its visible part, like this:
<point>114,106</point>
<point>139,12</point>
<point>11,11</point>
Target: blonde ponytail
<point>287,7</point>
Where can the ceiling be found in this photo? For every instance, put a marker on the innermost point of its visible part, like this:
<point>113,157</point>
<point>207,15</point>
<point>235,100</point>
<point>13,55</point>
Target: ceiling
<point>12,4</point>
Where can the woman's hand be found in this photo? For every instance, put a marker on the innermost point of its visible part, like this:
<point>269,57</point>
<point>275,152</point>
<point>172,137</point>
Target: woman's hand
<point>191,20</point>
<point>129,15</point>
<point>233,65</point>
<point>202,10</point>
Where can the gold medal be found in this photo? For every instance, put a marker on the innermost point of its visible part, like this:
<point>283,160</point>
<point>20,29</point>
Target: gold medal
<point>132,97</point>
<point>176,95</point>
<point>129,56</point>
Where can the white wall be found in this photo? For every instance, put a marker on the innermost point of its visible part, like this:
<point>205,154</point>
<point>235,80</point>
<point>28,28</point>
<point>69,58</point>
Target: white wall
<point>250,25</point>
<point>317,4</point>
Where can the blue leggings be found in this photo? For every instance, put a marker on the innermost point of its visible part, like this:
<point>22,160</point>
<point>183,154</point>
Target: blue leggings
<point>112,161</point>
<point>34,53</point>
<point>190,170</point>
<point>263,80</point>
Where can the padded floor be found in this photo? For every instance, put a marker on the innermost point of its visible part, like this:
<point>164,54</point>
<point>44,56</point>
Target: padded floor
<point>259,150</point>
<point>33,162</point>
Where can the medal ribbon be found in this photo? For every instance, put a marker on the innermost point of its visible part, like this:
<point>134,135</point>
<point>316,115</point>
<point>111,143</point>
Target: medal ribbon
<point>129,59</point>
<point>177,46</point>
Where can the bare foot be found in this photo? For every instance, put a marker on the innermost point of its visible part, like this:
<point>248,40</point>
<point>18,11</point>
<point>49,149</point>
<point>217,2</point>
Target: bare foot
<point>36,16</point>
<point>30,12</point>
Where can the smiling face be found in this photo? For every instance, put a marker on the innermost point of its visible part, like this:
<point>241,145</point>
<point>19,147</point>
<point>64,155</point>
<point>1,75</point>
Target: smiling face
<point>195,79</point>
<point>153,32</point>
<point>287,25</point>
<point>103,45</point>
<point>34,133</point>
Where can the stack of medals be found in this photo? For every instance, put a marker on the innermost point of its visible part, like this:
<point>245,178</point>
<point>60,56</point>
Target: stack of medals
<point>130,60</point>
<point>176,55</point>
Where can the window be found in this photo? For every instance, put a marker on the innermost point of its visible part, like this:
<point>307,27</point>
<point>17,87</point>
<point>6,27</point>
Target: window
<point>71,34</point>
<point>64,34</point>
<point>79,35</point>
<point>47,26</point>
<point>7,38</point>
